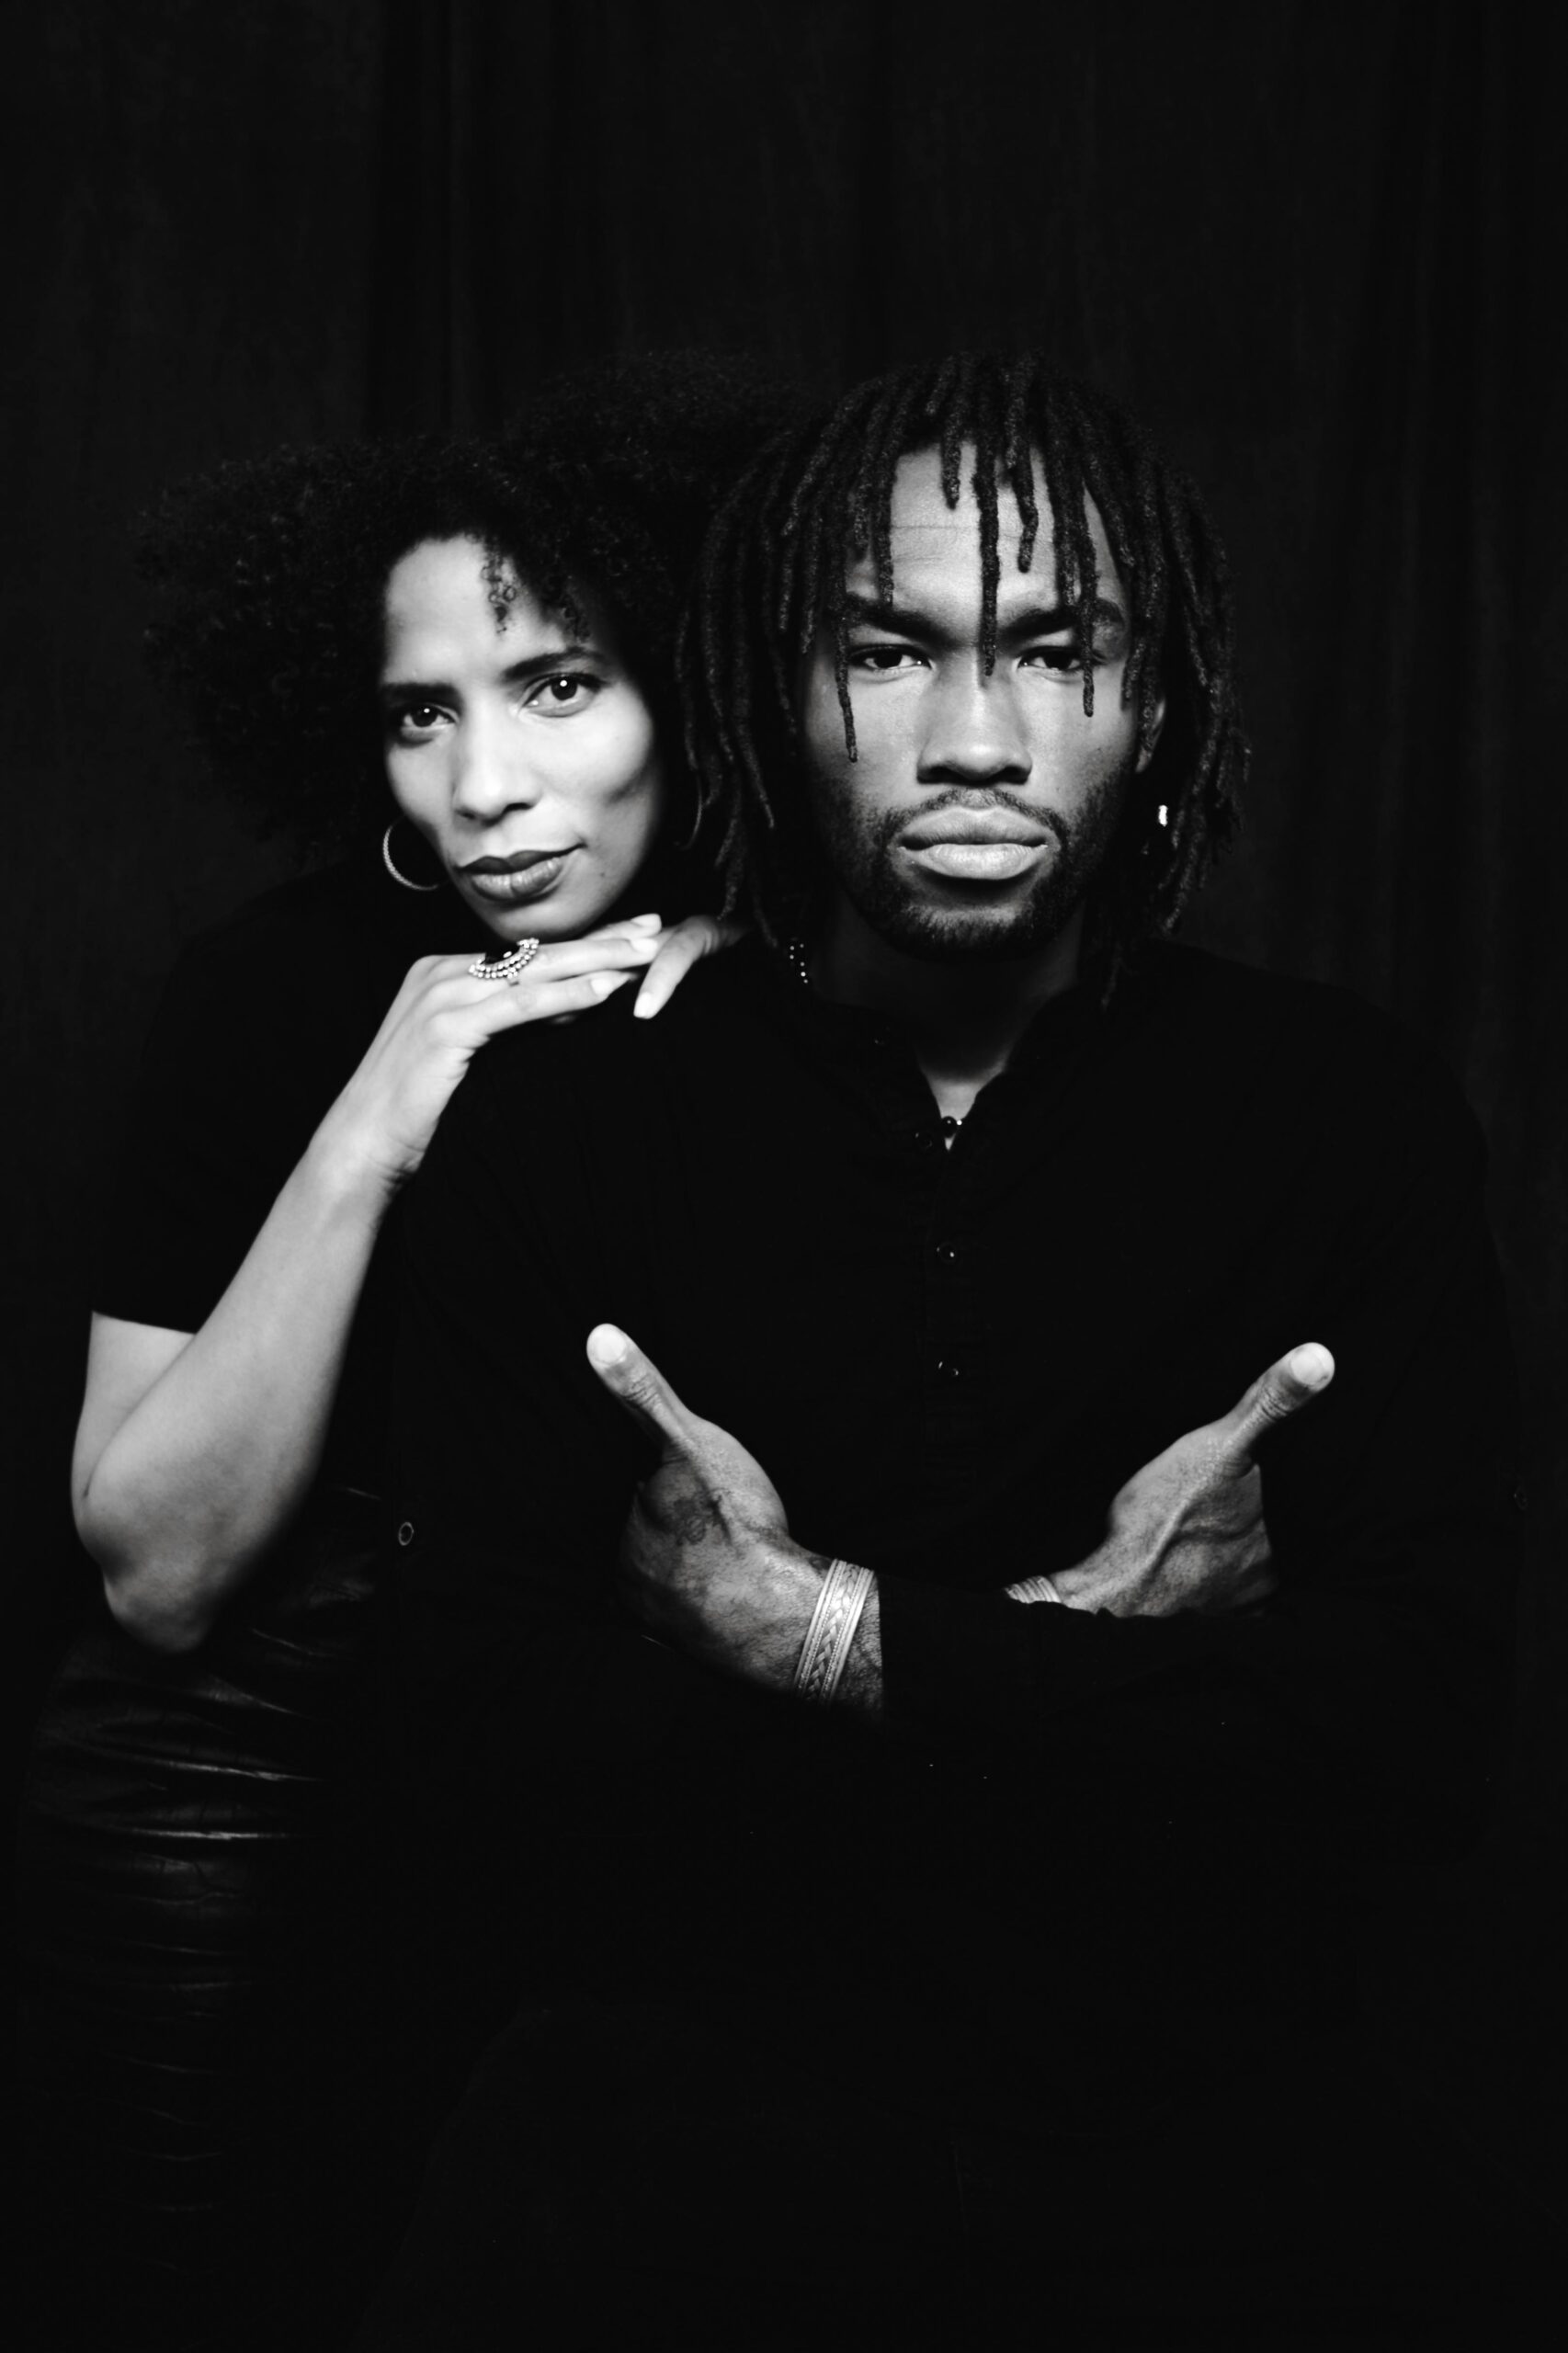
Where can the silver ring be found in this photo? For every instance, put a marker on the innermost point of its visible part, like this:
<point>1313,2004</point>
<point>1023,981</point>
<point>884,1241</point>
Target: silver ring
<point>505,967</point>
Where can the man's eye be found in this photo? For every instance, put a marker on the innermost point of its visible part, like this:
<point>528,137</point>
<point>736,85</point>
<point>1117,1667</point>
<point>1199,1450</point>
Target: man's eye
<point>568,691</point>
<point>1065,659</point>
<point>882,661</point>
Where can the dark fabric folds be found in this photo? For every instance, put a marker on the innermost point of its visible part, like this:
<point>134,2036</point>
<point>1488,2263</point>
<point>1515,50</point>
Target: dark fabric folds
<point>198,1860</point>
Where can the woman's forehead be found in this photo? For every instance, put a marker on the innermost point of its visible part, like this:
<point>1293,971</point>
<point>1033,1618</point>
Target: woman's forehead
<point>458,591</point>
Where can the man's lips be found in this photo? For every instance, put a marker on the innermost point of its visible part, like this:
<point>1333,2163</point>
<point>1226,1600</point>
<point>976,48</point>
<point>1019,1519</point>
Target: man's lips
<point>976,845</point>
<point>972,826</point>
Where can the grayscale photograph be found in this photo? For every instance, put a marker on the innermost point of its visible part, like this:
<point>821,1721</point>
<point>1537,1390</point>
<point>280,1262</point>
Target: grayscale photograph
<point>787,1438</point>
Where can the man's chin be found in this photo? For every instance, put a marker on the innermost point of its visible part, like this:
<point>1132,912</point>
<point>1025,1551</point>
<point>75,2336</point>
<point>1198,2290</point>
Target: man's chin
<point>960,935</point>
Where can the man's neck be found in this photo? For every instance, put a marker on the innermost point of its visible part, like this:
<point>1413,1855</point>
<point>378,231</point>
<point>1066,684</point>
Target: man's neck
<point>963,1018</point>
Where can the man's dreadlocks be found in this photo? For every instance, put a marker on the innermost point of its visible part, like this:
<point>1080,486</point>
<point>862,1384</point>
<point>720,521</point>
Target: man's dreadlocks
<point>772,584</point>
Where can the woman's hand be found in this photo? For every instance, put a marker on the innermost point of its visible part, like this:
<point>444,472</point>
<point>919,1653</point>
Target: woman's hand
<point>679,950</point>
<point>379,1127</point>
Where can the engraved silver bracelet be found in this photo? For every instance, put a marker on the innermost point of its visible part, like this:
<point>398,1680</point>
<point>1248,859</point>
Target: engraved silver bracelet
<point>824,1654</point>
<point>1036,1590</point>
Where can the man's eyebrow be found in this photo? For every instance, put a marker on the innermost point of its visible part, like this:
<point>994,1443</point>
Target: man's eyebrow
<point>1048,620</point>
<point>873,612</point>
<point>534,665</point>
<point>1028,620</point>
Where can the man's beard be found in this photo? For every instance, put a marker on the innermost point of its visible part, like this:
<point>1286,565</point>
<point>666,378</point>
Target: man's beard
<point>861,859</point>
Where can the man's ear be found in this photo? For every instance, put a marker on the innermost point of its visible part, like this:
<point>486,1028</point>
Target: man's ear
<point>1147,750</point>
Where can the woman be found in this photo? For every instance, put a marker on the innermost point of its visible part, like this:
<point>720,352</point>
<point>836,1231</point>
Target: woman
<point>527,790</point>
<point>483,633</point>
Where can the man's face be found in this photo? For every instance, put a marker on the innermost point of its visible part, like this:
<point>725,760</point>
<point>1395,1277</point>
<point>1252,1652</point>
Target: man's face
<point>980,806</point>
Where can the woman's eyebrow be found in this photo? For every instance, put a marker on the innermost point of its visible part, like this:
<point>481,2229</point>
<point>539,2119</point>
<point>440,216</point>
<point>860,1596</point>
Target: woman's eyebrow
<point>543,666</point>
<point>532,666</point>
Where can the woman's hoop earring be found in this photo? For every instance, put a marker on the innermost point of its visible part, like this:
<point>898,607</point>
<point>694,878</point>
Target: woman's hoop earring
<point>387,862</point>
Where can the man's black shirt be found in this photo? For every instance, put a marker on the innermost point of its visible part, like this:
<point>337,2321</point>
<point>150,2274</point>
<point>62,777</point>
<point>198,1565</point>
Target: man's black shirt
<point>947,1361</point>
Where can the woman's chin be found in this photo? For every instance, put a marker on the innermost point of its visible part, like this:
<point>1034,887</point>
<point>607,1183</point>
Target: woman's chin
<point>561,915</point>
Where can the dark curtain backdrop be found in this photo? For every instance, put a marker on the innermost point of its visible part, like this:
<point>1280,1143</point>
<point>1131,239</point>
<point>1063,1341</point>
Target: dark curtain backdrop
<point>1321,246</point>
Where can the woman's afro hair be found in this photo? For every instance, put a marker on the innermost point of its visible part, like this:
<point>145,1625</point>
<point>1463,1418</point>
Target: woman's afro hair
<point>270,573</point>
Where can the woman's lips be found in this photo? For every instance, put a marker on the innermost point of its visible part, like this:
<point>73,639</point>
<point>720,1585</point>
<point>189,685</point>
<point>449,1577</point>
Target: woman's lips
<point>978,862</point>
<point>507,886</point>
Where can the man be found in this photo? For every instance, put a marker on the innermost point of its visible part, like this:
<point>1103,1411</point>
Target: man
<point>994,1776</point>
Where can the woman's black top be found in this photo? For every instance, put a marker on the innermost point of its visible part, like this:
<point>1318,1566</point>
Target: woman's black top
<point>262,1023</point>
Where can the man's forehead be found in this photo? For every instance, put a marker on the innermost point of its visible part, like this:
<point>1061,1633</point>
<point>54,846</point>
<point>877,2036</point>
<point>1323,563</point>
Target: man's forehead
<point>927,535</point>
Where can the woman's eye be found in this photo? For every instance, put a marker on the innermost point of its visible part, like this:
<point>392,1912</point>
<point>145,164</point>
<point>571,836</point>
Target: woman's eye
<point>882,661</point>
<point>568,691</point>
<point>415,719</point>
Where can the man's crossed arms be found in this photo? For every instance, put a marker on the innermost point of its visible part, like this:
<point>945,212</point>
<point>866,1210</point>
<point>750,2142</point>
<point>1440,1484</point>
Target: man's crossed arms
<point>708,1562</point>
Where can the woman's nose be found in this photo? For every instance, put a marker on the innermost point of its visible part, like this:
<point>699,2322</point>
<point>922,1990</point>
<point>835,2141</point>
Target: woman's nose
<point>491,774</point>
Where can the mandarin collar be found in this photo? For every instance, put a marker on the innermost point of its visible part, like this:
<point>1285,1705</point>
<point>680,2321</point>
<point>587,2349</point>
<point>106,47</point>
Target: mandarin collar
<point>1076,1015</point>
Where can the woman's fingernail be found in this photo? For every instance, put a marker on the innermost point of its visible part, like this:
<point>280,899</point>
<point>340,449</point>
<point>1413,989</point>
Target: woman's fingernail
<point>645,923</point>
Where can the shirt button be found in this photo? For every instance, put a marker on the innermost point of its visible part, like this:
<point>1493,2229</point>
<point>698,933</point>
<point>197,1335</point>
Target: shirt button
<point>949,1253</point>
<point>926,1139</point>
<point>946,1369</point>
<point>405,1533</point>
<point>950,1126</point>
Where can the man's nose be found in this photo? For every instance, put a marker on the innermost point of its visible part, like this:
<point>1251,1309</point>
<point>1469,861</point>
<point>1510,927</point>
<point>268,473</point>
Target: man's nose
<point>491,772</point>
<point>974,734</point>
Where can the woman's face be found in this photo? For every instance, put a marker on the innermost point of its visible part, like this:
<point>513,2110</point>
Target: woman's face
<point>525,759</point>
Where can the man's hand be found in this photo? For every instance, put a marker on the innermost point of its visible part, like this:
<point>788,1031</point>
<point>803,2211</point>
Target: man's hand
<point>1187,1532</point>
<point>707,1559</point>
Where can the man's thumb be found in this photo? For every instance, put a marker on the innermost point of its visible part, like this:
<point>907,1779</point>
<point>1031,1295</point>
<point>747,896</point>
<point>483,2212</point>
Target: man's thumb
<point>639,1385</point>
<point>1282,1391</point>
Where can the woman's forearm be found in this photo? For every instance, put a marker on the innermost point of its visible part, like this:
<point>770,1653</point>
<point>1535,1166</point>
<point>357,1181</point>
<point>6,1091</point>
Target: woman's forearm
<point>192,1452</point>
<point>179,1500</point>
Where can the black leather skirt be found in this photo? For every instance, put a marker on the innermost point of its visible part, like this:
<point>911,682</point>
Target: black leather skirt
<point>209,1938</point>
